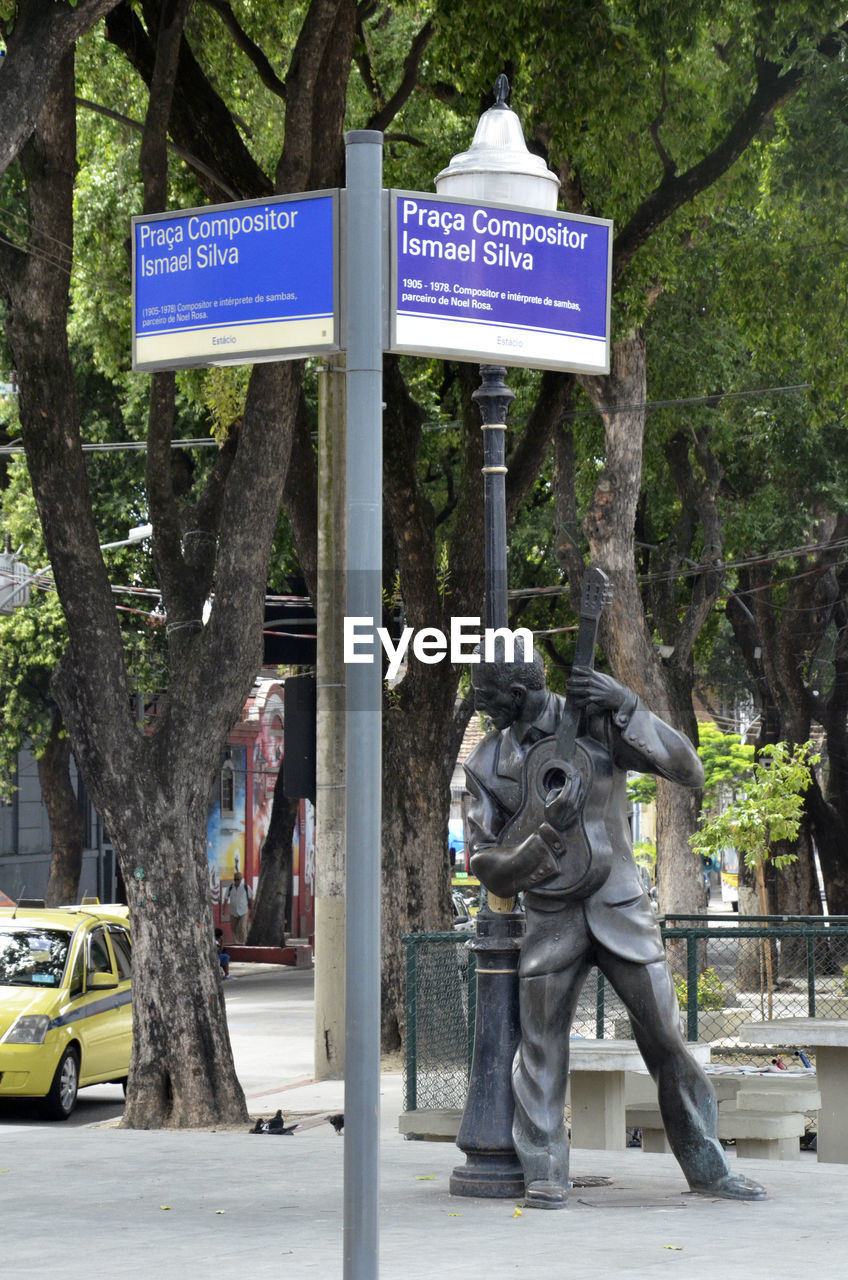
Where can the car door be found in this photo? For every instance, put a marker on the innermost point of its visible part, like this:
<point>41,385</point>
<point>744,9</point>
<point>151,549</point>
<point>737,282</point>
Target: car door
<point>122,950</point>
<point>103,1010</point>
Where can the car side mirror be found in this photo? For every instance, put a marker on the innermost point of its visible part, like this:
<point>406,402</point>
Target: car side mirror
<point>101,982</point>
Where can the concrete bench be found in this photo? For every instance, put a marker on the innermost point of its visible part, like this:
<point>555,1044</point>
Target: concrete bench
<point>600,1070</point>
<point>649,1121</point>
<point>762,1135</point>
<point>765,1118</point>
<point>767,1122</point>
<point>828,1039</point>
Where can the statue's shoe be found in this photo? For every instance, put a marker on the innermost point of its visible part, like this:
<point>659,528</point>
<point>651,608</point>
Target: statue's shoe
<point>545,1195</point>
<point>733,1186</point>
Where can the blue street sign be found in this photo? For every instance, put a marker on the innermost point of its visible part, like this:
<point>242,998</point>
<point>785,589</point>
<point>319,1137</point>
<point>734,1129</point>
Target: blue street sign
<point>236,283</point>
<point>499,285</point>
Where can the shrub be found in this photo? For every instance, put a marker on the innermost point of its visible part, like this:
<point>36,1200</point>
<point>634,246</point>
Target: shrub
<point>710,990</point>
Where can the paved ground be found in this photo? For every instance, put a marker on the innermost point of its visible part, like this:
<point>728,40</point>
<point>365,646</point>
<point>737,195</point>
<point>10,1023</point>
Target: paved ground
<point>175,1206</point>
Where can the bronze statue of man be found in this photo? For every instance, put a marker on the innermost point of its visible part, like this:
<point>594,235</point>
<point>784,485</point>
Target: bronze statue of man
<point>571,855</point>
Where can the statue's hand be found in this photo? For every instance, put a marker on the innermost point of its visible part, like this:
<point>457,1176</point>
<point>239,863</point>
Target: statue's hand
<point>595,691</point>
<point>563,804</point>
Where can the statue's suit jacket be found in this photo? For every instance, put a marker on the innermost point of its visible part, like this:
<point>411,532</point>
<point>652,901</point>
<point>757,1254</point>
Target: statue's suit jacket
<point>618,914</point>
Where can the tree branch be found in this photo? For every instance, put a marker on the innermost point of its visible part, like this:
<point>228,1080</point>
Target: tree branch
<point>200,121</point>
<point>40,38</point>
<point>408,82</point>
<point>173,147</point>
<point>525,462</point>
<point>307,86</point>
<point>242,41</point>
<point>362,57</point>
<point>410,513</point>
<point>774,87</point>
<point>153,160</point>
<point>669,166</point>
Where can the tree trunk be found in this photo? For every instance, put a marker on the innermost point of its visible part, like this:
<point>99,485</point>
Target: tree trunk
<point>67,828</point>
<point>419,717</point>
<point>267,928</point>
<point>625,635</point>
<point>748,954</point>
<point>827,801</point>
<point>40,38</point>
<point>778,641</point>
<point>679,877</point>
<point>830,825</point>
<point>182,1068</point>
<point>416,806</point>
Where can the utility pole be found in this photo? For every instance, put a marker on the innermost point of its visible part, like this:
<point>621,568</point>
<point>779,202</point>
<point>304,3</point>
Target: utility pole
<point>330,761</point>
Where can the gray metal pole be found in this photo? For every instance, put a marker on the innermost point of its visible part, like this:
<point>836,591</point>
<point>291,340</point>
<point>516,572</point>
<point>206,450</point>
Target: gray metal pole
<point>364,504</point>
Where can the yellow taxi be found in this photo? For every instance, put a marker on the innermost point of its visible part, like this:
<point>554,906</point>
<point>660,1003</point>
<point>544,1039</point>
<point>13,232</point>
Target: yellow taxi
<point>65,1002</point>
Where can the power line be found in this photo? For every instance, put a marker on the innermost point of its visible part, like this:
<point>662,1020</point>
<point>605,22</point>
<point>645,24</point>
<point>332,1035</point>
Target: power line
<point>648,405</point>
<point>123,446</point>
<point>713,399</point>
<point>695,570</point>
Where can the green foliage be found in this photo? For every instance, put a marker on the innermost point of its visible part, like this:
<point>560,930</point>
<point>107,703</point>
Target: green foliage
<point>728,762</point>
<point>224,392</point>
<point>728,766</point>
<point>710,990</point>
<point>641,789</point>
<point>31,643</point>
<point>769,810</point>
<point>645,853</point>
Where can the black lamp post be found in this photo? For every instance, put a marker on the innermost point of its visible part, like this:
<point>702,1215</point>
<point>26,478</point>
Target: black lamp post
<point>496,168</point>
<point>494,398</point>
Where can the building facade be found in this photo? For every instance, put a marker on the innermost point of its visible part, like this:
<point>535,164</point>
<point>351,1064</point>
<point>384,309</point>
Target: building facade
<point>239,814</point>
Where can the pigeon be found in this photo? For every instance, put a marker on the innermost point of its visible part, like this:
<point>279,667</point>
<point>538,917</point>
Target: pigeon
<point>275,1125</point>
<point>278,1125</point>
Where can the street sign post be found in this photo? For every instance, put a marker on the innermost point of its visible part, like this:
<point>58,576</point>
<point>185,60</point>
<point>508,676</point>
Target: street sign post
<point>499,285</point>
<point>236,283</point>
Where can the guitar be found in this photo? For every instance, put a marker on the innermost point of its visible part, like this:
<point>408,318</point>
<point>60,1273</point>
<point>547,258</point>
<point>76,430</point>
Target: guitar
<point>551,762</point>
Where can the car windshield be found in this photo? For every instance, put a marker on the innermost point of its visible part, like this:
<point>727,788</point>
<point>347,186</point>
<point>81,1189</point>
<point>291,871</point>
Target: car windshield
<point>32,957</point>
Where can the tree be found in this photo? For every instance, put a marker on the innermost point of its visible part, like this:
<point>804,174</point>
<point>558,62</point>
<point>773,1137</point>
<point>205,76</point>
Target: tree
<point>273,892</point>
<point>33,639</point>
<point>767,813</point>
<point>151,782</point>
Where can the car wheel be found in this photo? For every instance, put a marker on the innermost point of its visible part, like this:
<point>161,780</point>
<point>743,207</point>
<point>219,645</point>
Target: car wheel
<point>62,1098</point>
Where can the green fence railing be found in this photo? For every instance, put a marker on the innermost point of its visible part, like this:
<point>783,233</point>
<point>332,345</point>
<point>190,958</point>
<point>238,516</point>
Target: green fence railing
<point>441,1006</point>
<point>728,970</point>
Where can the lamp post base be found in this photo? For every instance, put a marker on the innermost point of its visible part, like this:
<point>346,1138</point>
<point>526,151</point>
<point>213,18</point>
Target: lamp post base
<point>494,1177</point>
<point>492,1169</point>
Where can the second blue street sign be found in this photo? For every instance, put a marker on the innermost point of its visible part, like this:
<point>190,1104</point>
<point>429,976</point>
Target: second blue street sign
<point>499,285</point>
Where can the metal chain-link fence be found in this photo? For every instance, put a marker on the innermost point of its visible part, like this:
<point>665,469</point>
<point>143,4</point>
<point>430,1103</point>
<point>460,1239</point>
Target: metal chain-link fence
<point>441,1005</point>
<point>727,971</point>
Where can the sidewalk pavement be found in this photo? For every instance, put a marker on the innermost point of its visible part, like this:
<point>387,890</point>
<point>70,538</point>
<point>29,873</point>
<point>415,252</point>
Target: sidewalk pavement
<point>177,1206</point>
